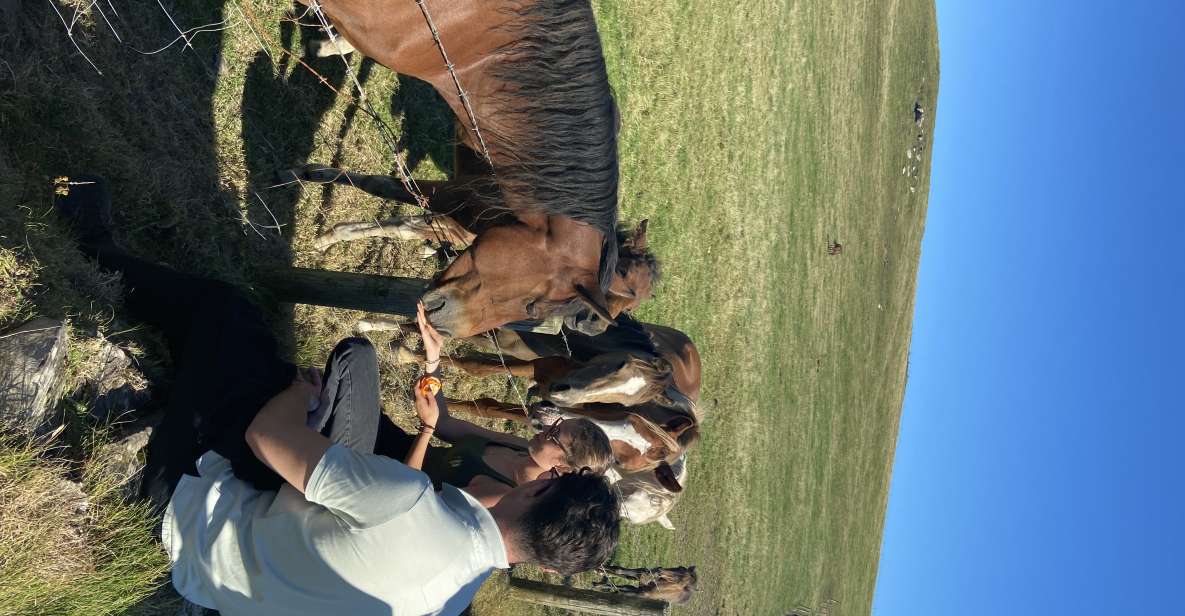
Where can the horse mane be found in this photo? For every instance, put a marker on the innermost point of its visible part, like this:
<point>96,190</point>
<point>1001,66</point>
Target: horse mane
<point>555,143</point>
<point>626,334</point>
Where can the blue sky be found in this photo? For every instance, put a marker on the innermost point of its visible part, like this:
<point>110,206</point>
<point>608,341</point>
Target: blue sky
<point>1039,466</point>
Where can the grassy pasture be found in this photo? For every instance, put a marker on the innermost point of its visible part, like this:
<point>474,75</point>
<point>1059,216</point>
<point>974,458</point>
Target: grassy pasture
<point>753,133</point>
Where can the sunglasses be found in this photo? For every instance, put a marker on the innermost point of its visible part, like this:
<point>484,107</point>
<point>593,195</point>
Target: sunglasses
<point>553,434</point>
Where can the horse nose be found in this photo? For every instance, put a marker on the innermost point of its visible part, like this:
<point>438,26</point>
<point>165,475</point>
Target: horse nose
<point>432,301</point>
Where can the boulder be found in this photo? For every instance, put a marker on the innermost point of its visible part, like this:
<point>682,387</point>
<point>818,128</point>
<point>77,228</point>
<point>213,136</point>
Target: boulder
<point>31,378</point>
<point>121,460</point>
<point>115,386</point>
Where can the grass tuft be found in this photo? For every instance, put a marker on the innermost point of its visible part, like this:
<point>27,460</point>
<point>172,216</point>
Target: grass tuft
<point>71,548</point>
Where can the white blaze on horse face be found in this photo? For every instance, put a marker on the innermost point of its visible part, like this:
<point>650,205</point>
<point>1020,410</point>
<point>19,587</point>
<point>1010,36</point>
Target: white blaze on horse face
<point>628,388</point>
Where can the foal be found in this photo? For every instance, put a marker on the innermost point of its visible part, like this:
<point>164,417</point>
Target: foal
<point>675,585</point>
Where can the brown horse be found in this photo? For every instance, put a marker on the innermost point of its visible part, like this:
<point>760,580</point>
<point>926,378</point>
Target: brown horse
<point>545,219</point>
<point>675,585</point>
<point>645,435</point>
<point>672,358</point>
<point>650,436</point>
<point>624,366</point>
<point>635,273</point>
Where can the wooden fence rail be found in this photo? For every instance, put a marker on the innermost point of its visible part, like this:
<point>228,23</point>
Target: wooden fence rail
<point>585,601</point>
<point>369,292</point>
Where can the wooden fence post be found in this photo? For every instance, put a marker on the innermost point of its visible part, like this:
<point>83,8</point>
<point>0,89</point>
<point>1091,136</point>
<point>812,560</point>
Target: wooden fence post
<point>369,292</point>
<point>585,601</point>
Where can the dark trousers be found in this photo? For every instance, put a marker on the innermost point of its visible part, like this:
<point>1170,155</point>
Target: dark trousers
<point>226,367</point>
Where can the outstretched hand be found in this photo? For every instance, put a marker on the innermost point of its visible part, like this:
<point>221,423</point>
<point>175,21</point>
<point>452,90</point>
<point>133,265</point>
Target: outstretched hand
<point>433,341</point>
<point>426,407</point>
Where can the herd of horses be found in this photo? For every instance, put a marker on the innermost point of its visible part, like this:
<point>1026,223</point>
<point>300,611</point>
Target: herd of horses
<point>532,208</point>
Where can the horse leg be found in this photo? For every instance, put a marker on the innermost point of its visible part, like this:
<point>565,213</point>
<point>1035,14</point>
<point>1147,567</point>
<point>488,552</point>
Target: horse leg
<point>429,227</point>
<point>380,324</point>
<point>489,408</point>
<point>339,46</point>
<point>381,186</point>
<point>492,366</point>
<point>510,344</point>
<point>477,366</point>
<point>623,572</point>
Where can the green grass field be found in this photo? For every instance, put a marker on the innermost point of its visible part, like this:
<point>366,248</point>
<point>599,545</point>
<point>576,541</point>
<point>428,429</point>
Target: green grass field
<point>753,134</point>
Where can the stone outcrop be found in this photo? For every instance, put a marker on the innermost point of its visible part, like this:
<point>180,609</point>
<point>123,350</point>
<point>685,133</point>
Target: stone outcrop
<point>31,381</point>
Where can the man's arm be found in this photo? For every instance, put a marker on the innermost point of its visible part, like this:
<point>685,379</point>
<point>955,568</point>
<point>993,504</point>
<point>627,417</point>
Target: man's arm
<point>280,439</point>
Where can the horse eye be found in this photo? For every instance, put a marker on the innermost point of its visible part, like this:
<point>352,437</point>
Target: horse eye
<point>532,309</point>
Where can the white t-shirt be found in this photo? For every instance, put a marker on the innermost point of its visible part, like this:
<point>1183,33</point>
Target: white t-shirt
<point>369,536</point>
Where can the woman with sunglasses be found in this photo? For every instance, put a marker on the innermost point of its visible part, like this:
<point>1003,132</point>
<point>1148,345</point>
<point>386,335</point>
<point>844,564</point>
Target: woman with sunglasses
<point>485,463</point>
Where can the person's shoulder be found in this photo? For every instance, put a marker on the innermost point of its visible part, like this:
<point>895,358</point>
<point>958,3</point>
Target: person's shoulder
<point>365,489</point>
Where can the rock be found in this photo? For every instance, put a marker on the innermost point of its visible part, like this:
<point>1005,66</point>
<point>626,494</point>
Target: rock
<point>122,459</point>
<point>114,387</point>
<point>31,379</point>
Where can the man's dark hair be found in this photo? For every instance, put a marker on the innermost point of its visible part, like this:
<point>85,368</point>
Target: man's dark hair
<point>575,524</point>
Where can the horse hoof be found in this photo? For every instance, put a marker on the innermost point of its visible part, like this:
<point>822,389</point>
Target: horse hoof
<point>427,251</point>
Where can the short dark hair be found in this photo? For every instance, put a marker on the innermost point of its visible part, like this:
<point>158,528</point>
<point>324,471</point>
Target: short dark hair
<point>574,526</point>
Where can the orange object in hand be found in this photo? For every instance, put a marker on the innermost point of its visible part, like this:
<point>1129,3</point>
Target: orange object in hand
<point>428,385</point>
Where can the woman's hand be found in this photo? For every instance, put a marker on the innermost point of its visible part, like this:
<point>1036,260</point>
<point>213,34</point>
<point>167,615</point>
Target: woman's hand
<point>433,341</point>
<point>426,408</point>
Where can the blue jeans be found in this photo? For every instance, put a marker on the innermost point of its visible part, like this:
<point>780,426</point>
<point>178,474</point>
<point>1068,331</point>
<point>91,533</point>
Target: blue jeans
<point>226,366</point>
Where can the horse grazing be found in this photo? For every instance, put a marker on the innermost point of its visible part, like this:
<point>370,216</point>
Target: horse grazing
<point>675,585</point>
<point>646,497</point>
<point>545,209</point>
<point>636,269</point>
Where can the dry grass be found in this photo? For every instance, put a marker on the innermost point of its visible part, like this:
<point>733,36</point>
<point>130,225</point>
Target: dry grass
<point>69,548</point>
<point>752,134</point>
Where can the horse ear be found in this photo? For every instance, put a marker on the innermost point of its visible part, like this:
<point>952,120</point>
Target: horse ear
<point>678,425</point>
<point>640,234</point>
<point>594,298</point>
<point>666,477</point>
<point>665,522</point>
